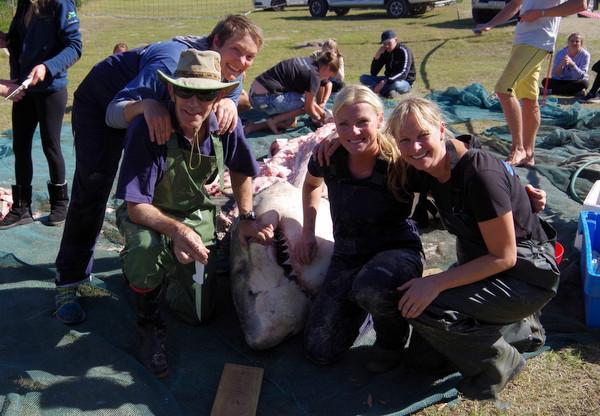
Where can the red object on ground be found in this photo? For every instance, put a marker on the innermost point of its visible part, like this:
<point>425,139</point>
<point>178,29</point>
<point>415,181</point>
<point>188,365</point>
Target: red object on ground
<point>560,250</point>
<point>591,15</point>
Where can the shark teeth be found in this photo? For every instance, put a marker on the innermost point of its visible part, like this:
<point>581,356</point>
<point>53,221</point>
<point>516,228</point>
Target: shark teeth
<point>282,253</point>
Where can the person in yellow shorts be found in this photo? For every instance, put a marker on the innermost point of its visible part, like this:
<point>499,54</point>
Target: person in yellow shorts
<point>517,88</point>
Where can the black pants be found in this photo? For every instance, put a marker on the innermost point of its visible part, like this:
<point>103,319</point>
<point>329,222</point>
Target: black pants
<point>565,87</point>
<point>98,151</point>
<point>596,84</point>
<point>468,324</point>
<point>46,109</point>
<point>355,286</point>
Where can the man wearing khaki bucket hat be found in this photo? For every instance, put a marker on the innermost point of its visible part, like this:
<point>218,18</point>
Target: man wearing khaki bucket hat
<point>167,219</point>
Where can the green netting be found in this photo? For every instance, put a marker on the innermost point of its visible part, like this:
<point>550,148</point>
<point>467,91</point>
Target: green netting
<point>567,140</point>
<point>50,369</point>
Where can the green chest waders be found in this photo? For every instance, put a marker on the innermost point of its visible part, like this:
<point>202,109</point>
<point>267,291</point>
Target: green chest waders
<point>181,195</point>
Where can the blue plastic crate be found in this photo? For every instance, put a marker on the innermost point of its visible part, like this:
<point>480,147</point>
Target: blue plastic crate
<point>589,227</point>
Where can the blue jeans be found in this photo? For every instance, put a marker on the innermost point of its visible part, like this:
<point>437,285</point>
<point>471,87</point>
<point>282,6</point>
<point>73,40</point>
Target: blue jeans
<point>277,103</point>
<point>400,86</point>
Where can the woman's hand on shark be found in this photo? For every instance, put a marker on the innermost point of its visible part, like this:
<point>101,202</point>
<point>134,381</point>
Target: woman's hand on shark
<point>306,249</point>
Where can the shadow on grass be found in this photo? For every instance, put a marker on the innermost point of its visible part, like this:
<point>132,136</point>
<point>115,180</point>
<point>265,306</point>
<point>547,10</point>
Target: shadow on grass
<point>423,66</point>
<point>454,24</point>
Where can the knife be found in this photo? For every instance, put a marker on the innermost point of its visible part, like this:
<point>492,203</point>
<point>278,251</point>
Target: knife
<point>20,88</point>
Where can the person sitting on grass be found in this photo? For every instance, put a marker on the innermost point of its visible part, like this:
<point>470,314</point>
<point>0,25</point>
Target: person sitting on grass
<point>167,218</point>
<point>570,69</point>
<point>289,89</point>
<point>399,68</point>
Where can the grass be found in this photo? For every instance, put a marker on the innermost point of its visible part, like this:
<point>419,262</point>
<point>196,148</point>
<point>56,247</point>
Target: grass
<point>446,51</point>
<point>554,383</point>
<point>447,54</point>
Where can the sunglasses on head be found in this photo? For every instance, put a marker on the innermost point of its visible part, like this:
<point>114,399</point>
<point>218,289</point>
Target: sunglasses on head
<point>187,93</point>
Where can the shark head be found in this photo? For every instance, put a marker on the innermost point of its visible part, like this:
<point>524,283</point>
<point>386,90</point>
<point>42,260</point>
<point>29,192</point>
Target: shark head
<point>271,290</point>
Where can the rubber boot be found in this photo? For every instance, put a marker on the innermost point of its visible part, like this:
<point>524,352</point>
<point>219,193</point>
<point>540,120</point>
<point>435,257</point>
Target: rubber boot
<point>152,332</point>
<point>20,212</point>
<point>59,201</point>
<point>68,309</point>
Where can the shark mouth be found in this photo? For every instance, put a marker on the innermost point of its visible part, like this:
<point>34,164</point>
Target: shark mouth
<point>282,256</point>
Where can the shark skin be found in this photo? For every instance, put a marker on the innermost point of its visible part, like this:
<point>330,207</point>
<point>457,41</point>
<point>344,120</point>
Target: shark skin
<point>271,291</point>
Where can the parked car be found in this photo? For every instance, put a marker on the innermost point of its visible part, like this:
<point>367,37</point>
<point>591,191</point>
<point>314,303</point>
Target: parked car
<point>484,10</point>
<point>278,4</point>
<point>394,8</point>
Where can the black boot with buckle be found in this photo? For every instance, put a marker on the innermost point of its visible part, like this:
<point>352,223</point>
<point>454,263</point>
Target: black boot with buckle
<point>20,212</point>
<point>151,327</point>
<point>59,202</point>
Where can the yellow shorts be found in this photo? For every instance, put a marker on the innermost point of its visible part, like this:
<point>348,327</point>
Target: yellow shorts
<point>522,73</point>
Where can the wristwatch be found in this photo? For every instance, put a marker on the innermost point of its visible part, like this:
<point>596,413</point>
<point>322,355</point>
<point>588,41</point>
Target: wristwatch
<point>248,216</point>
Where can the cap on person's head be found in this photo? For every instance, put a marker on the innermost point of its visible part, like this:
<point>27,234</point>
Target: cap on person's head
<point>387,35</point>
<point>199,70</point>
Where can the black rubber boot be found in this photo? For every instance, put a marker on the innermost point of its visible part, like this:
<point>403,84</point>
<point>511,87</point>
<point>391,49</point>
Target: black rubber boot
<point>20,212</point>
<point>59,201</point>
<point>152,354</point>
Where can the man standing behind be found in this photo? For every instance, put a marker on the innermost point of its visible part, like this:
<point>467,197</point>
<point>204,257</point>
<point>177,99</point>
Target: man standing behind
<point>399,68</point>
<point>534,39</point>
<point>167,219</point>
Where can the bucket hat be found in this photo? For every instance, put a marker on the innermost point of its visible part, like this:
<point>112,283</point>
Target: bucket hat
<point>199,70</point>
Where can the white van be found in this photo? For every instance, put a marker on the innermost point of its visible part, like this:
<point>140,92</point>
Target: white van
<point>278,4</point>
<point>394,8</point>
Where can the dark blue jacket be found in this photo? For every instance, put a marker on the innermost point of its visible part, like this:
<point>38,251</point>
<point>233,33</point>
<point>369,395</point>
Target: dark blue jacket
<point>52,38</point>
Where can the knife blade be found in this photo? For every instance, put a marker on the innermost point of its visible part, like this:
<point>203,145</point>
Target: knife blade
<point>20,88</point>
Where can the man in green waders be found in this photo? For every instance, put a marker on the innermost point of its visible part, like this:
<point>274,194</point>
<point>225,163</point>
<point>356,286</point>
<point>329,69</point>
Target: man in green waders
<point>167,219</point>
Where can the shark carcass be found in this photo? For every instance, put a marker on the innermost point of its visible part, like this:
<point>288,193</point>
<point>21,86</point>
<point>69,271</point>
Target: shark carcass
<point>272,291</point>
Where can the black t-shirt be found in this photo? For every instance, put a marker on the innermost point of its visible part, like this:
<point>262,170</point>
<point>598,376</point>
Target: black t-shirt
<point>481,188</point>
<point>292,75</point>
<point>366,217</point>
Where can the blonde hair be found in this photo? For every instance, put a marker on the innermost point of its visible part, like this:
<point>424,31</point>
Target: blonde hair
<point>576,35</point>
<point>330,45</point>
<point>355,94</point>
<point>425,112</point>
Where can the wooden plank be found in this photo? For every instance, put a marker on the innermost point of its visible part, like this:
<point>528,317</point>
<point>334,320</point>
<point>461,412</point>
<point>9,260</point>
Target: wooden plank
<point>238,391</point>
